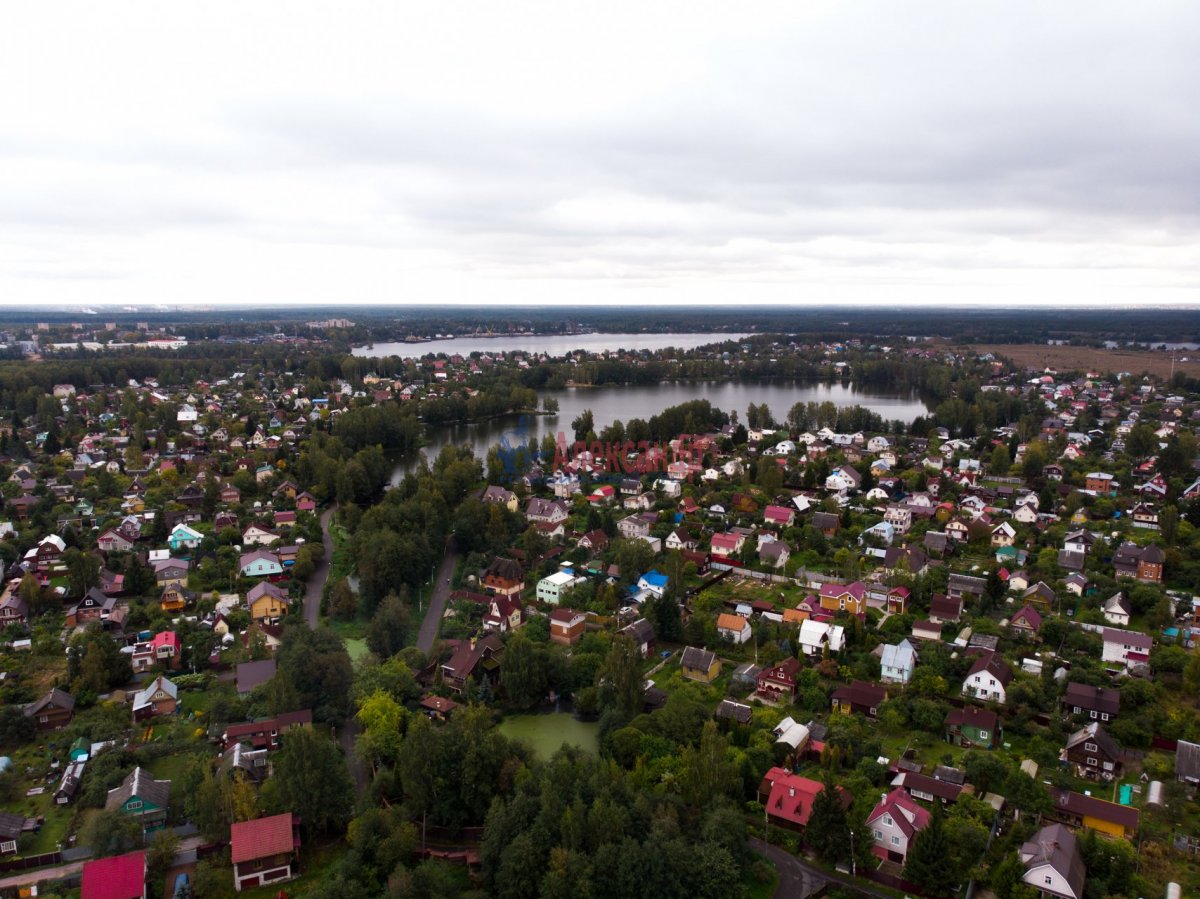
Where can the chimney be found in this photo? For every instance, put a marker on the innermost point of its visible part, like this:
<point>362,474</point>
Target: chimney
<point>792,792</point>
<point>882,798</point>
<point>472,642</point>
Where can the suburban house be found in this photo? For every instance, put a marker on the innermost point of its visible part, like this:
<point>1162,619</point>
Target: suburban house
<point>699,665</point>
<point>1144,563</point>
<point>818,636</point>
<point>1028,620</point>
<point>1053,863</point>
<point>734,627</point>
<point>963,586</point>
<point>183,538</point>
<point>171,571</point>
<point>988,678</point>
<point>113,541</point>
<point>162,649</point>
<point>778,683</point>
<point>861,697</point>
<point>552,587</point>
<point>474,658</point>
<point>897,663</point>
<point>1077,810</point>
<point>1116,610</point>
<point>781,516</point>
<point>844,598</point>
<point>115,877</point>
<point>159,697</point>
<point>503,614</point>
<point>1130,648</point>
<point>653,583</point>
<point>94,606</point>
<point>550,511</point>
<point>973,728</point>
<point>500,497</point>
<point>1096,703</point>
<point>944,608</point>
<point>567,626</point>
<point>264,734</point>
<point>1093,752</point>
<point>894,822</point>
<point>738,713</point>
<point>264,850</point>
<point>260,563</point>
<point>788,797</point>
<point>505,577</point>
<point>642,634</point>
<point>897,600</point>
<point>826,522</point>
<point>143,798</point>
<point>267,602</point>
<point>724,545</point>
<point>774,553</point>
<point>257,535</point>
<point>53,710</point>
<point>11,828</point>
<point>174,599</point>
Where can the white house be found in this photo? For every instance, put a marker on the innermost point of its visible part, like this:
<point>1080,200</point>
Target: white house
<point>1126,647</point>
<point>897,663</point>
<point>1116,610</point>
<point>1053,863</point>
<point>553,587</point>
<point>815,636</point>
<point>988,678</point>
<point>734,627</point>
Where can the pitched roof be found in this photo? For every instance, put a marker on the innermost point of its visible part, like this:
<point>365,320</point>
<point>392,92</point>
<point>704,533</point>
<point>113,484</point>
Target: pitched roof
<point>727,708</point>
<point>139,783</point>
<point>1055,845</point>
<point>697,659</point>
<point>56,697</point>
<point>1094,733</point>
<point>861,692</point>
<point>909,816</point>
<point>1101,699</point>
<point>994,665</point>
<point>730,622</point>
<point>972,716</point>
<point>790,796</point>
<point>117,877</point>
<point>1187,760</point>
<point>1078,804</point>
<point>262,837</point>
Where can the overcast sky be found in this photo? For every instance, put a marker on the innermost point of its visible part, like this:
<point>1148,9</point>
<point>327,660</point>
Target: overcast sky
<point>606,152</point>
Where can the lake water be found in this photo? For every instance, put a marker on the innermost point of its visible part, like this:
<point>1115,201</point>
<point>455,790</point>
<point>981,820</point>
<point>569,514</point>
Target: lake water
<point>611,403</point>
<point>546,733</point>
<point>550,344</point>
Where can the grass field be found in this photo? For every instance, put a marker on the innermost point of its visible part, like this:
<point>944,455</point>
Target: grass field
<point>1082,358</point>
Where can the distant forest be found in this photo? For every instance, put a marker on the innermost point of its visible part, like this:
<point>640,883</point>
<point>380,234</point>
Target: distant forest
<point>382,323</point>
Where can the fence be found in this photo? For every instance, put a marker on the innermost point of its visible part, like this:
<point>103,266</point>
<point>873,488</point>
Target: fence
<point>31,861</point>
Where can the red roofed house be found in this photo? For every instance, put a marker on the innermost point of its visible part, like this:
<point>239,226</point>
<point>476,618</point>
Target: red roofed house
<point>781,515</point>
<point>894,822</point>
<point>778,683</point>
<point>727,544</point>
<point>844,598</point>
<point>117,877</point>
<point>1028,620</point>
<point>264,850</point>
<point>789,797</point>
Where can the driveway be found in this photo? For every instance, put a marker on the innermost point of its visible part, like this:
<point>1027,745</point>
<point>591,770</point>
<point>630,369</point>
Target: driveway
<point>799,880</point>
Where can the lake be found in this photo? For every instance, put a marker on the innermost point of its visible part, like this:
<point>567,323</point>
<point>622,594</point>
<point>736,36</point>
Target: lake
<point>645,401</point>
<point>546,733</point>
<point>550,344</point>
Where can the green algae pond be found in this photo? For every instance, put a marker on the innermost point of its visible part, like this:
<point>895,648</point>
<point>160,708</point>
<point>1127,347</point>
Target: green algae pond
<point>546,732</point>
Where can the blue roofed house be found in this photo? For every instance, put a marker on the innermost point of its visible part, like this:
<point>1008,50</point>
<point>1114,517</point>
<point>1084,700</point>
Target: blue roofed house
<point>653,582</point>
<point>183,537</point>
<point>897,663</point>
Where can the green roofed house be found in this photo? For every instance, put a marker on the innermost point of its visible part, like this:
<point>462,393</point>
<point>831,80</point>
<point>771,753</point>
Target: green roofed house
<point>142,797</point>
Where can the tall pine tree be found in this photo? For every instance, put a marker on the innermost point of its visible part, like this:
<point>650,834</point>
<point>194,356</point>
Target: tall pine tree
<point>929,854</point>
<point>828,829</point>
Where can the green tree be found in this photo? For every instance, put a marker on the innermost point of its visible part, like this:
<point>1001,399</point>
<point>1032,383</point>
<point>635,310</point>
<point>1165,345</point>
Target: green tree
<point>112,832</point>
<point>926,865</point>
<point>523,672</point>
<point>620,678</point>
<point>390,627</point>
<point>382,719</point>
<point>828,829</point>
<point>310,778</point>
<point>83,571</point>
<point>313,672</point>
<point>160,856</point>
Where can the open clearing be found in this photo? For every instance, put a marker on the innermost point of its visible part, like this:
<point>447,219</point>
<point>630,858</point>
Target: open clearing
<point>1083,358</point>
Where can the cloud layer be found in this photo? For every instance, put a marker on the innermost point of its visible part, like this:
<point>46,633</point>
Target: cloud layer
<point>480,152</point>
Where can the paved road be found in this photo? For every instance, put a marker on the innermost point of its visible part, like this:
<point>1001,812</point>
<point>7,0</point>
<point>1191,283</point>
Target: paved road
<point>798,879</point>
<point>437,602</point>
<point>316,583</point>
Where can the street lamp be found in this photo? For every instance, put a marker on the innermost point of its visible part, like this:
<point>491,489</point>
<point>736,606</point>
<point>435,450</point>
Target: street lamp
<point>853,860</point>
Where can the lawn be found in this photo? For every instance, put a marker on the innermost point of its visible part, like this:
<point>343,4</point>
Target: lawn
<point>356,648</point>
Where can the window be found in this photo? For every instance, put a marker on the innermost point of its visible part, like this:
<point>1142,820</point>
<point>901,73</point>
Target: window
<point>879,834</point>
<point>133,805</point>
<point>1094,715</point>
<point>1049,880</point>
<point>1108,766</point>
<point>887,819</point>
<point>1104,716</point>
<point>1091,763</point>
<point>44,719</point>
<point>895,841</point>
<point>983,735</point>
<point>1090,747</point>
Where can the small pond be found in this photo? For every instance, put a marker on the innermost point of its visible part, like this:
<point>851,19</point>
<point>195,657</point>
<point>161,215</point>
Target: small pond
<point>547,732</point>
